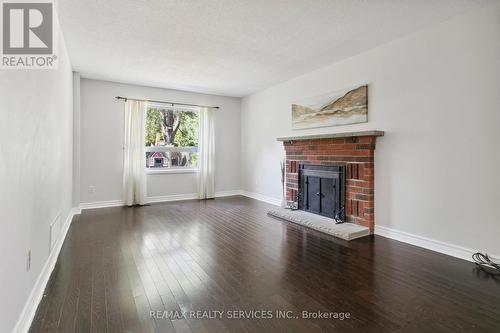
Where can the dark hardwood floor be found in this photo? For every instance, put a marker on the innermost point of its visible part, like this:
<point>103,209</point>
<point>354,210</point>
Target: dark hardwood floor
<point>226,254</point>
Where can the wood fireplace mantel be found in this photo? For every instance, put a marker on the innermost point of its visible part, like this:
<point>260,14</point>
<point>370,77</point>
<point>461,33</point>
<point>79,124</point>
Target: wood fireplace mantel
<point>332,135</point>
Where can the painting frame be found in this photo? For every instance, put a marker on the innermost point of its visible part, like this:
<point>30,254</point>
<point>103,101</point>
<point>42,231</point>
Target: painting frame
<point>337,108</point>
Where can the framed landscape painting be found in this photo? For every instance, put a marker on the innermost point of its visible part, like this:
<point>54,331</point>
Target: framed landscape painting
<point>349,106</point>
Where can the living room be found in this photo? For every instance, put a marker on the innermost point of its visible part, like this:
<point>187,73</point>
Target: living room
<point>254,166</point>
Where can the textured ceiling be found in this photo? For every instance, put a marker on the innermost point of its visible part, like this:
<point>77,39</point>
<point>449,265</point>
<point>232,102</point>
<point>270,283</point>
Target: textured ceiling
<point>233,47</point>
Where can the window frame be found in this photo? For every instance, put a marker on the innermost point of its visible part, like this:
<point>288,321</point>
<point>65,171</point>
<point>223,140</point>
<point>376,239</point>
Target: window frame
<point>148,149</point>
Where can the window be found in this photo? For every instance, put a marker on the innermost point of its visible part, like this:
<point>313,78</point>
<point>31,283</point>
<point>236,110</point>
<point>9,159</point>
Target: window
<point>171,138</point>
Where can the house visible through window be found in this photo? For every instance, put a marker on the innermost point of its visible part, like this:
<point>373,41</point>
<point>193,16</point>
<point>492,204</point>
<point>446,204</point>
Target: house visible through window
<point>171,138</point>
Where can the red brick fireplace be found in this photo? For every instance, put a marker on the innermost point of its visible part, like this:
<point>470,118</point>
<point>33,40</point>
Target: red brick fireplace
<point>354,150</point>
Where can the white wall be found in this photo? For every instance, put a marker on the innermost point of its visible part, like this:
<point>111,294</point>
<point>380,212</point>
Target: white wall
<point>436,94</point>
<point>76,140</point>
<point>102,141</point>
<point>35,174</point>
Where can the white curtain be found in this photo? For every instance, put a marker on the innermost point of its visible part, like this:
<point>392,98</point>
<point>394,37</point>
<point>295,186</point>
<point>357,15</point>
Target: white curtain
<point>206,159</point>
<point>134,162</point>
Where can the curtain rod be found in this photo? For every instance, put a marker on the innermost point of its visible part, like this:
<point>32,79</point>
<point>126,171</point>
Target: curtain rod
<point>163,102</point>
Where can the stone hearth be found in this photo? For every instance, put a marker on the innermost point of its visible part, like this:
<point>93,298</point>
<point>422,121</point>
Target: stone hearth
<point>346,231</point>
<point>355,150</point>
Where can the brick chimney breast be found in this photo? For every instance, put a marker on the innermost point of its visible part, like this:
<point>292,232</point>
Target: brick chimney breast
<point>355,150</point>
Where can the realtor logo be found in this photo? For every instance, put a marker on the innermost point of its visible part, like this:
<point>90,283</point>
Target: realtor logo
<point>28,35</point>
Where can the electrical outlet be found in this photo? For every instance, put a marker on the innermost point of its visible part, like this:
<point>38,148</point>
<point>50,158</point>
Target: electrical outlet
<point>91,189</point>
<point>28,261</point>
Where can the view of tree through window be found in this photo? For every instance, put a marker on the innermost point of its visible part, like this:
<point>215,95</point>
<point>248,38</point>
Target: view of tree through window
<point>171,138</point>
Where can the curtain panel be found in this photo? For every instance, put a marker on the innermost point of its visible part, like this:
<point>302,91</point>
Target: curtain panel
<point>206,174</point>
<point>134,171</point>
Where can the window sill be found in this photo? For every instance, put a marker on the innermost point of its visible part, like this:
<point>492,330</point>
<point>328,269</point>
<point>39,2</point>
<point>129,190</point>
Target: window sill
<point>171,170</point>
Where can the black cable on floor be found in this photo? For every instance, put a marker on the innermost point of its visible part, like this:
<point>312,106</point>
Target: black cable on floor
<point>485,263</point>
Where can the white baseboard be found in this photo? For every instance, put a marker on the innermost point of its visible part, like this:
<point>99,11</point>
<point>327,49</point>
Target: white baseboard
<point>101,204</point>
<point>174,197</point>
<point>23,323</point>
<point>428,243</point>
<point>155,199</point>
<point>260,197</point>
<point>189,196</point>
<point>221,194</point>
<point>76,210</point>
